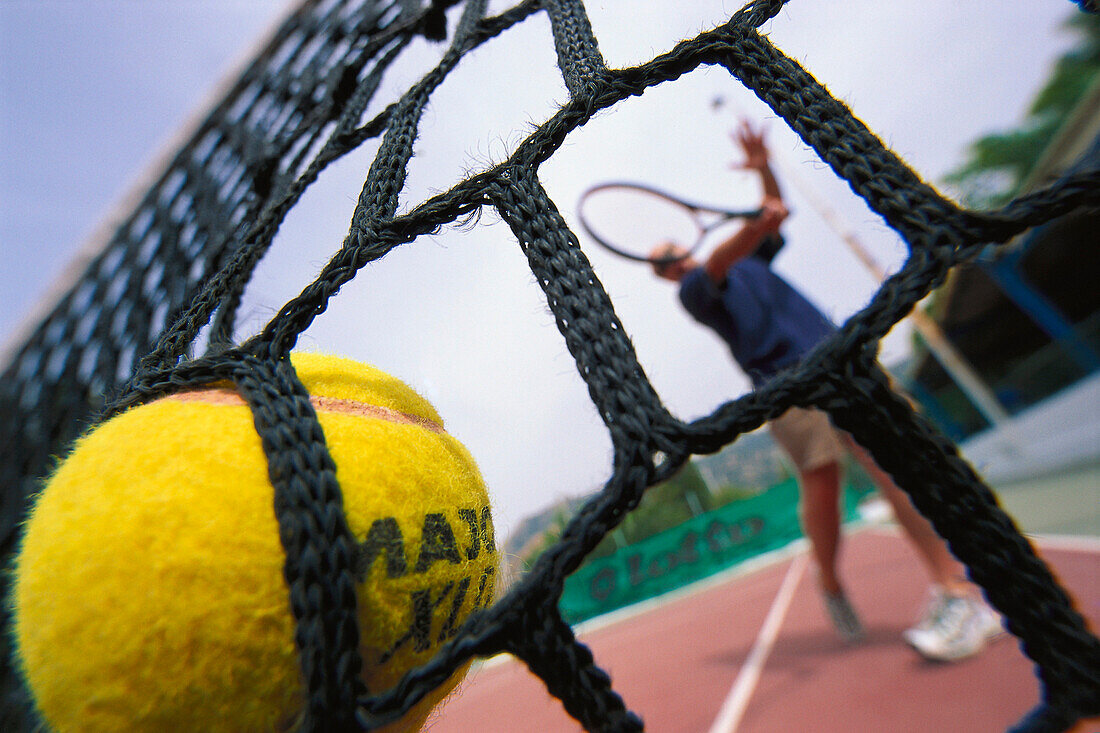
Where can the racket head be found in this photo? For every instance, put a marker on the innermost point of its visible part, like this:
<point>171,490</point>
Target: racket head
<point>633,220</point>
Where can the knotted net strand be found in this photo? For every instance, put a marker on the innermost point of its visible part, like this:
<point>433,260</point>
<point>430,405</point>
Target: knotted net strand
<point>173,274</point>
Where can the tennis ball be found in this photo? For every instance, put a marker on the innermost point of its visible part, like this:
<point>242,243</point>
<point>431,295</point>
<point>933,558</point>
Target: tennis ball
<point>149,591</point>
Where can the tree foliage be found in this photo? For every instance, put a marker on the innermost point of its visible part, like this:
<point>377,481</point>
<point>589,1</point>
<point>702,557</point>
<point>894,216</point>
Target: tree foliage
<point>1000,162</point>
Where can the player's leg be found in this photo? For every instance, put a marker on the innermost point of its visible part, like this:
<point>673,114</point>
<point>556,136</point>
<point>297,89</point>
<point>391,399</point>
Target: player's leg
<point>815,450</point>
<point>941,565</point>
<point>820,514</point>
<point>955,622</point>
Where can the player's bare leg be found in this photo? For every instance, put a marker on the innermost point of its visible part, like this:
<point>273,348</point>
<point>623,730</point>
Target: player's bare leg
<point>955,622</point>
<point>820,513</point>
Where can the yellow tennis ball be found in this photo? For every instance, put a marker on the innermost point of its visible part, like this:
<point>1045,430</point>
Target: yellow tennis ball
<point>149,591</point>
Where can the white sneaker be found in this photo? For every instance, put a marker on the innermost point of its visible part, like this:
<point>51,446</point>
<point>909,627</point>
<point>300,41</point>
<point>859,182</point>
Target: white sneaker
<point>843,616</point>
<point>929,615</point>
<point>953,627</point>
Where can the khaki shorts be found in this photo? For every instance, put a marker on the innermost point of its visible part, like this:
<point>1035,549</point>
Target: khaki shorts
<point>808,438</point>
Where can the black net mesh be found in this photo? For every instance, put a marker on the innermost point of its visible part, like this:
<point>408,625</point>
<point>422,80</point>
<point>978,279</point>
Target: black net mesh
<point>128,329</point>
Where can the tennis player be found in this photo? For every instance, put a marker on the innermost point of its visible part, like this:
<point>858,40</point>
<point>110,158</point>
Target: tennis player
<point>768,325</point>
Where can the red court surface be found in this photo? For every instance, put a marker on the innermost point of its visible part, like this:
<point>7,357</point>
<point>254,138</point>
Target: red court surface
<point>675,664</point>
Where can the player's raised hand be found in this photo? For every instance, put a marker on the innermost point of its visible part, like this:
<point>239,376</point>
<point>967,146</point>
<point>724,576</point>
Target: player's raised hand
<point>752,143</point>
<point>772,213</point>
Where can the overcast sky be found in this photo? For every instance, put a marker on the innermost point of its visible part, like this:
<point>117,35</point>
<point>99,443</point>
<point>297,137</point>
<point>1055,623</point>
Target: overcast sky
<point>91,92</point>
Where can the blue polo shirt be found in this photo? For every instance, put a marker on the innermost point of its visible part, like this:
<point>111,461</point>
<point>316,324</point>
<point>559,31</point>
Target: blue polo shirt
<point>767,324</point>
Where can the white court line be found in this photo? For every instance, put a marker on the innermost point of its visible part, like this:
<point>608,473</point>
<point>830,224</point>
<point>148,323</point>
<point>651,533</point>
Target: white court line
<point>627,613</point>
<point>729,717</point>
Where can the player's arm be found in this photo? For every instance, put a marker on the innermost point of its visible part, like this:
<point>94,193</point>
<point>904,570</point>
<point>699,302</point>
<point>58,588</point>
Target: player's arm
<point>746,240</point>
<point>767,178</point>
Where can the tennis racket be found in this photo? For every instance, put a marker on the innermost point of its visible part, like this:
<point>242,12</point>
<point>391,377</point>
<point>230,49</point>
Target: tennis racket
<point>632,219</point>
